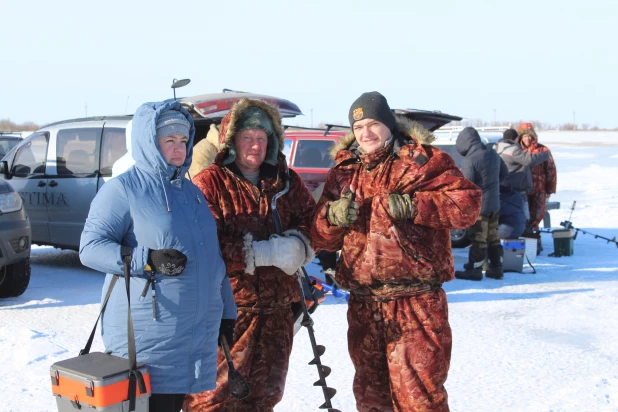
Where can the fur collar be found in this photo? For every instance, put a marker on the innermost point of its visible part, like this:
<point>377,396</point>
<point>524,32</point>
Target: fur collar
<point>407,128</point>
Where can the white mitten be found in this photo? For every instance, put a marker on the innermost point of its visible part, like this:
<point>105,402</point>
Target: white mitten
<point>286,253</point>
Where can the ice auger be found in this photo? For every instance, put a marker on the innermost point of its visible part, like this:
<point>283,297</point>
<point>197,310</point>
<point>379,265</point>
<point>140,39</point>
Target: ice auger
<point>318,350</point>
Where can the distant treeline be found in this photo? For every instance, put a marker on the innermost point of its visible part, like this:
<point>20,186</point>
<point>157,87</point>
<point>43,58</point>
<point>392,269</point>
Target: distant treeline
<point>6,125</point>
<point>537,125</point>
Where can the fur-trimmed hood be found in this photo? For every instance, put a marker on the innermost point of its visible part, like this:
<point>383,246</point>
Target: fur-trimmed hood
<point>406,128</point>
<point>228,126</point>
<point>526,128</point>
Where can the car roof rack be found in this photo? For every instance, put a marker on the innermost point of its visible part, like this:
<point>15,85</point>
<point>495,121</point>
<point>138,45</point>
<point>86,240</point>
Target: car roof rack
<point>10,132</point>
<point>89,119</point>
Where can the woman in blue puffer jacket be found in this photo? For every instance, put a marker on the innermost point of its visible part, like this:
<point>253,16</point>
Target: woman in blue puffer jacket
<point>162,219</point>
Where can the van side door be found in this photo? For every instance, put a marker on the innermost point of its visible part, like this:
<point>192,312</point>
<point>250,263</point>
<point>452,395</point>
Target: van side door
<point>29,179</point>
<point>72,181</point>
<point>113,147</point>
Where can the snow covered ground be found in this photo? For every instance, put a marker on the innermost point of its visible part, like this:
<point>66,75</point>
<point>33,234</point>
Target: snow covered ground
<point>531,342</point>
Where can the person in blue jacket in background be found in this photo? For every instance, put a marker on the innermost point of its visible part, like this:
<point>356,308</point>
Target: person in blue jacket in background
<point>158,216</point>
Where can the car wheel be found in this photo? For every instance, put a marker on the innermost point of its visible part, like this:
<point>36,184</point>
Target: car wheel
<point>14,279</point>
<point>459,238</point>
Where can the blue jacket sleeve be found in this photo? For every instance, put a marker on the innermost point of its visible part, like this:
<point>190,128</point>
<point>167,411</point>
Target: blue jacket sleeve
<point>229,305</point>
<point>108,221</point>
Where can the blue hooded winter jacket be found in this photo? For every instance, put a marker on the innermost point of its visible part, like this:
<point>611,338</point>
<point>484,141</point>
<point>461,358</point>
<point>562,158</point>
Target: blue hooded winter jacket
<point>146,210</point>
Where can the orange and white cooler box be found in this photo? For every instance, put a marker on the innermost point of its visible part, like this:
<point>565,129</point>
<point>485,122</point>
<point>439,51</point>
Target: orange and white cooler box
<point>97,381</point>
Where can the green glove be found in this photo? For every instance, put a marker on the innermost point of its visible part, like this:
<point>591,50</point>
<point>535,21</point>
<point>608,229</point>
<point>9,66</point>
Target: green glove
<point>401,207</point>
<point>344,211</point>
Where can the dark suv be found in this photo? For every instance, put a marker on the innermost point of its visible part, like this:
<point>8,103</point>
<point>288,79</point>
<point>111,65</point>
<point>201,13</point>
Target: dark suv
<point>14,231</point>
<point>14,243</point>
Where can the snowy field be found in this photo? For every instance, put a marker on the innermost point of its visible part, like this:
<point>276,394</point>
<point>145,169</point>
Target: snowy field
<point>531,342</point>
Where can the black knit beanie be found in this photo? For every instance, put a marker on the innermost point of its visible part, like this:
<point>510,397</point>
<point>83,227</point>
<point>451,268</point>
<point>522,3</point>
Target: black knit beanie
<point>510,134</point>
<point>372,105</point>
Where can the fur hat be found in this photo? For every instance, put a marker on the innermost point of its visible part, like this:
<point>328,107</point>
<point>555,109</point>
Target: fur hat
<point>526,128</point>
<point>372,105</point>
<point>172,122</point>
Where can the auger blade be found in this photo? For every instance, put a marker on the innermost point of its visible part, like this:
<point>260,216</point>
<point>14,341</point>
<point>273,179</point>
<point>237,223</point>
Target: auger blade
<point>321,382</point>
<point>329,393</point>
<point>320,349</point>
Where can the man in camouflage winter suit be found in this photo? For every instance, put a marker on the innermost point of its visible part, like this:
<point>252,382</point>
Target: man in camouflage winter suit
<point>239,188</point>
<point>389,203</point>
<point>544,176</point>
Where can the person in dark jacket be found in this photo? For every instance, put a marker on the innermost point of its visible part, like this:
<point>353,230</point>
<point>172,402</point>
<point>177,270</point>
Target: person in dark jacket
<point>518,162</point>
<point>512,220</point>
<point>519,178</point>
<point>482,166</point>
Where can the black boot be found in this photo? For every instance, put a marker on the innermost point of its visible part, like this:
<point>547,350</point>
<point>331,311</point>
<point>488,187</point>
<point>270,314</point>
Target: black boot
<point>474,266</point>
<point>495,254</point>
<point>470,274</point>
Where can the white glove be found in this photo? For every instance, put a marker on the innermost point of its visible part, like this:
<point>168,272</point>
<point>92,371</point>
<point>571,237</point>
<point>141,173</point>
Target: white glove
<point>286,253</point>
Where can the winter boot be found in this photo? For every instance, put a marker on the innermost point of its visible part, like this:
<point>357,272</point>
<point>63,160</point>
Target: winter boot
<point>495,254</point>
<point>470,274</point>
<point>474,266</point>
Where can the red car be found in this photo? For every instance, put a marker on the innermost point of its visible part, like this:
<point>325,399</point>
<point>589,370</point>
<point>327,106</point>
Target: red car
<point>307,152</point>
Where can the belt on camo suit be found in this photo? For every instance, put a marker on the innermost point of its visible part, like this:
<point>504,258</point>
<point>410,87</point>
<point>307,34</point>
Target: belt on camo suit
<point>387,292</point>
<point>263,310</point>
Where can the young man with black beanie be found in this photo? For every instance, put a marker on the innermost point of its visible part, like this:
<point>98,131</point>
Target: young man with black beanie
<point>388,204</point>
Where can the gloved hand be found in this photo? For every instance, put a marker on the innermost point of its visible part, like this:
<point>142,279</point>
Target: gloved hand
<point>227,329</point>
<point>401,207</point>
<point>344,211</point>
<point>286,253</point>
<point>169,262</point>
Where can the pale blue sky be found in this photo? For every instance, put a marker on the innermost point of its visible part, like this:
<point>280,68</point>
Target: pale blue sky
<point>528,59</point>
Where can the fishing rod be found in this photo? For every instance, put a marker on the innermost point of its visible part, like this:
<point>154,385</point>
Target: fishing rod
<point>567,224</point>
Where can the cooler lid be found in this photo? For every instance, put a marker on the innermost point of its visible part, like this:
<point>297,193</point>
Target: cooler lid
<point>95,366</point>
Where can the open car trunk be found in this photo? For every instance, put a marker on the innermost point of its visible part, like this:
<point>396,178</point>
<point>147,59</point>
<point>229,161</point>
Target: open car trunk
<point>429,120</point>
<point>207,109</point>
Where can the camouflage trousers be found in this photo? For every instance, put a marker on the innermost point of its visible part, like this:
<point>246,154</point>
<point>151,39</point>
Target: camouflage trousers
<point>536,203</point>
<point>484,232</point>
<point>261,351</point>
<point>401,351</point>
